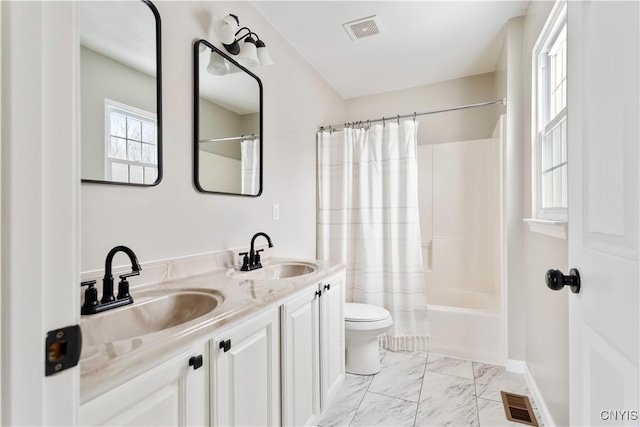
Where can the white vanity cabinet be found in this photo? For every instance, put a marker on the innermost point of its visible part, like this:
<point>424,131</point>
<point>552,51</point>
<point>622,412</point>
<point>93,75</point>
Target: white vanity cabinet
<point>280,365</point>
<point>312,339</point>
<point>173,393</point>
<point>245,373</point>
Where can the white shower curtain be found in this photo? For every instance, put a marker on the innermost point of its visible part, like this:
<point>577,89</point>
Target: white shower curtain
<point>368,218</point>
<point>250,165</point>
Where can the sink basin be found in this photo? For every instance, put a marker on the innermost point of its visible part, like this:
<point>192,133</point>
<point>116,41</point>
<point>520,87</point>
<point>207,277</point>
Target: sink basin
<point>150,312</point>
<point>279,271</point>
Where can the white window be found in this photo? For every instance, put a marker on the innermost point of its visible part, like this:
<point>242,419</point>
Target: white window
<point>130,144</point>
<point>549,118</point>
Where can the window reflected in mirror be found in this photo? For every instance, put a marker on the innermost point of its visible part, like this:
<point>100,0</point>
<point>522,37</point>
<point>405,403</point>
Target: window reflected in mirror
<point>228,123</point>
<point>120,92</point>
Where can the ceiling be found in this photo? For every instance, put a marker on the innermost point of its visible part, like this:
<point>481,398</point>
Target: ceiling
<point>124,31</point>
<point>421,42</point>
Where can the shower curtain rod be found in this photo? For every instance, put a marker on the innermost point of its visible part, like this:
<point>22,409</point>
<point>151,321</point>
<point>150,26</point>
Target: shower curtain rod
<point>231,138</point>
<point>502,101</point>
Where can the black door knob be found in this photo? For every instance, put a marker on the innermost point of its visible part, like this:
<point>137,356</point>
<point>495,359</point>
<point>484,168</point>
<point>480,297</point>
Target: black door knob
<point>556,280</point>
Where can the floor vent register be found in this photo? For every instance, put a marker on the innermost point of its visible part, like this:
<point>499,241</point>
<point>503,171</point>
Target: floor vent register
<point>518,409</point>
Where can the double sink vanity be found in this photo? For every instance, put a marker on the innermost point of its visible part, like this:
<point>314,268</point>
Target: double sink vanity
<point>217,346</point>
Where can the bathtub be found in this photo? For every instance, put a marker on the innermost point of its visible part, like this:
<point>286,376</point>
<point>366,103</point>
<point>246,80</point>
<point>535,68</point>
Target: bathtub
<point>467,333</point>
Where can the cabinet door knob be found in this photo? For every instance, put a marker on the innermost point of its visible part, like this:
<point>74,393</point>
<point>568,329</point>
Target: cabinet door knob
<point>327,286</point>
<point>225,345</point>
<point>556,280</point>
<point>318,293</point>
<point>196,362</point>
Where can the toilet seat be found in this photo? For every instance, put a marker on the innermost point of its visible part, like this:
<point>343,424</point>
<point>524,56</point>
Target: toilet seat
<point>354,312</point>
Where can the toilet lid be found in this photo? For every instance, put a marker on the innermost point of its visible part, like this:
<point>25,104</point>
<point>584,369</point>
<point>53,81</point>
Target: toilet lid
<point>354,312</point>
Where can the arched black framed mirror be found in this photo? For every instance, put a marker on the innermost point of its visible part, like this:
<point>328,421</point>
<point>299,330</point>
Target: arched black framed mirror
<point>120,92</point>
<point>227,124</point>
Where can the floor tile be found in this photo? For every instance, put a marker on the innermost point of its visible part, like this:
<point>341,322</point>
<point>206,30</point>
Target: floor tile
<point>347,401</point>
<point>491,379</point>
<point>491,413</point>
<point>400,376</point>
<point>379,410</point>
<point>450,366</point>
<point>382,352</point>
<point>447,400</point>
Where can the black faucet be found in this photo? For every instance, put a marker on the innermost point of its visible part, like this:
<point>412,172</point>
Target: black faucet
<point>251,259</point>
<point>109,301</point>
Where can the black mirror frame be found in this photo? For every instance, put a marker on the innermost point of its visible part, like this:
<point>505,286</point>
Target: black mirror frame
<point>156,14</point>
<point>196,117</point>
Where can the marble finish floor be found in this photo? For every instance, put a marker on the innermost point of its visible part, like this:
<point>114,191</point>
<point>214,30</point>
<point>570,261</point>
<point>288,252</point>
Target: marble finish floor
<point>422,389</point>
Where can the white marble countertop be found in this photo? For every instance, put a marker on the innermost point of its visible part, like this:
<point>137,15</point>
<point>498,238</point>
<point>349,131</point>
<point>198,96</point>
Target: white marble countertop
<point>105,366</point>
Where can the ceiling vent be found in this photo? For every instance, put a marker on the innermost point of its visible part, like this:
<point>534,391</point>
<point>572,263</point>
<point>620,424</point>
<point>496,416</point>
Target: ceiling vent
<point>365,27</point>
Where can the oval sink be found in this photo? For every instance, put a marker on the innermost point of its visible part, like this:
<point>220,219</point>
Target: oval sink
<point>280,271</point>
<point>148,314</point>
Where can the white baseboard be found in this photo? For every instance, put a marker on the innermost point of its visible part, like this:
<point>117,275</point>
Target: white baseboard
<point>515,366</point>
<point>547,420</point>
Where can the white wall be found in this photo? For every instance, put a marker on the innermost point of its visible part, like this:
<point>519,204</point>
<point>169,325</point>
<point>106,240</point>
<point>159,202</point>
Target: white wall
<point>102,77</point>
<point>460,125</point>
<point>513,151</point>
<point>547,325</point>
<point>220,173</point>
<point>173,219</point>
<point>500,76</point>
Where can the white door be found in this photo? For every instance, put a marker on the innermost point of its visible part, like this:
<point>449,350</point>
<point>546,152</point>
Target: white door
<point>603,116</point>
<point>40,205</point>
<point>332,337</point>
<point>301,359</point>
<point>245,380</point>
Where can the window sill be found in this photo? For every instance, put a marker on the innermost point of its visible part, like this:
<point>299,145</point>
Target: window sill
<point>557,229</point>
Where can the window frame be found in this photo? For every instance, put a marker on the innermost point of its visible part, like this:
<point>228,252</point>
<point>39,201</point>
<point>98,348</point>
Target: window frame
<point>136,113</point>
<point>541,125</point>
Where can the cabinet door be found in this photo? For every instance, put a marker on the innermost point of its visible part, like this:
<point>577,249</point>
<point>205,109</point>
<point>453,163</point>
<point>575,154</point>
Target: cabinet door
<point>171,394</point>
<point>332,337</point>
<point>300,359</point>
<point>245,381</point>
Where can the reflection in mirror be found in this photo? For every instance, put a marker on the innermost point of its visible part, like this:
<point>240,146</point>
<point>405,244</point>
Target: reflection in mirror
<point>228,124</point>
<point>120,92</point>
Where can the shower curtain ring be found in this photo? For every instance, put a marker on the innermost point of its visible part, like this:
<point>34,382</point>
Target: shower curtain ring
<point>383,122</point>
<point>398,119</point>
<point>368,124</point>
<point>414,117</point>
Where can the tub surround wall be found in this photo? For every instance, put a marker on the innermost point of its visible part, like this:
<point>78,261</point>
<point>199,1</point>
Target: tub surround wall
<point>462,265</point>
<point>173,219</point>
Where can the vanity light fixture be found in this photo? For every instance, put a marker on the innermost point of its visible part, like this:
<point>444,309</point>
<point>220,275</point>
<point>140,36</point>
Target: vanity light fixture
<point>217,65</point>
<point>226,28</point>
<point>243,43</point>
<point>251,51</point>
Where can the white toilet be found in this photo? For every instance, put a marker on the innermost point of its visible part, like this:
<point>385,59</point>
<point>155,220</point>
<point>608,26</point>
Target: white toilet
<point>363,324</point>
